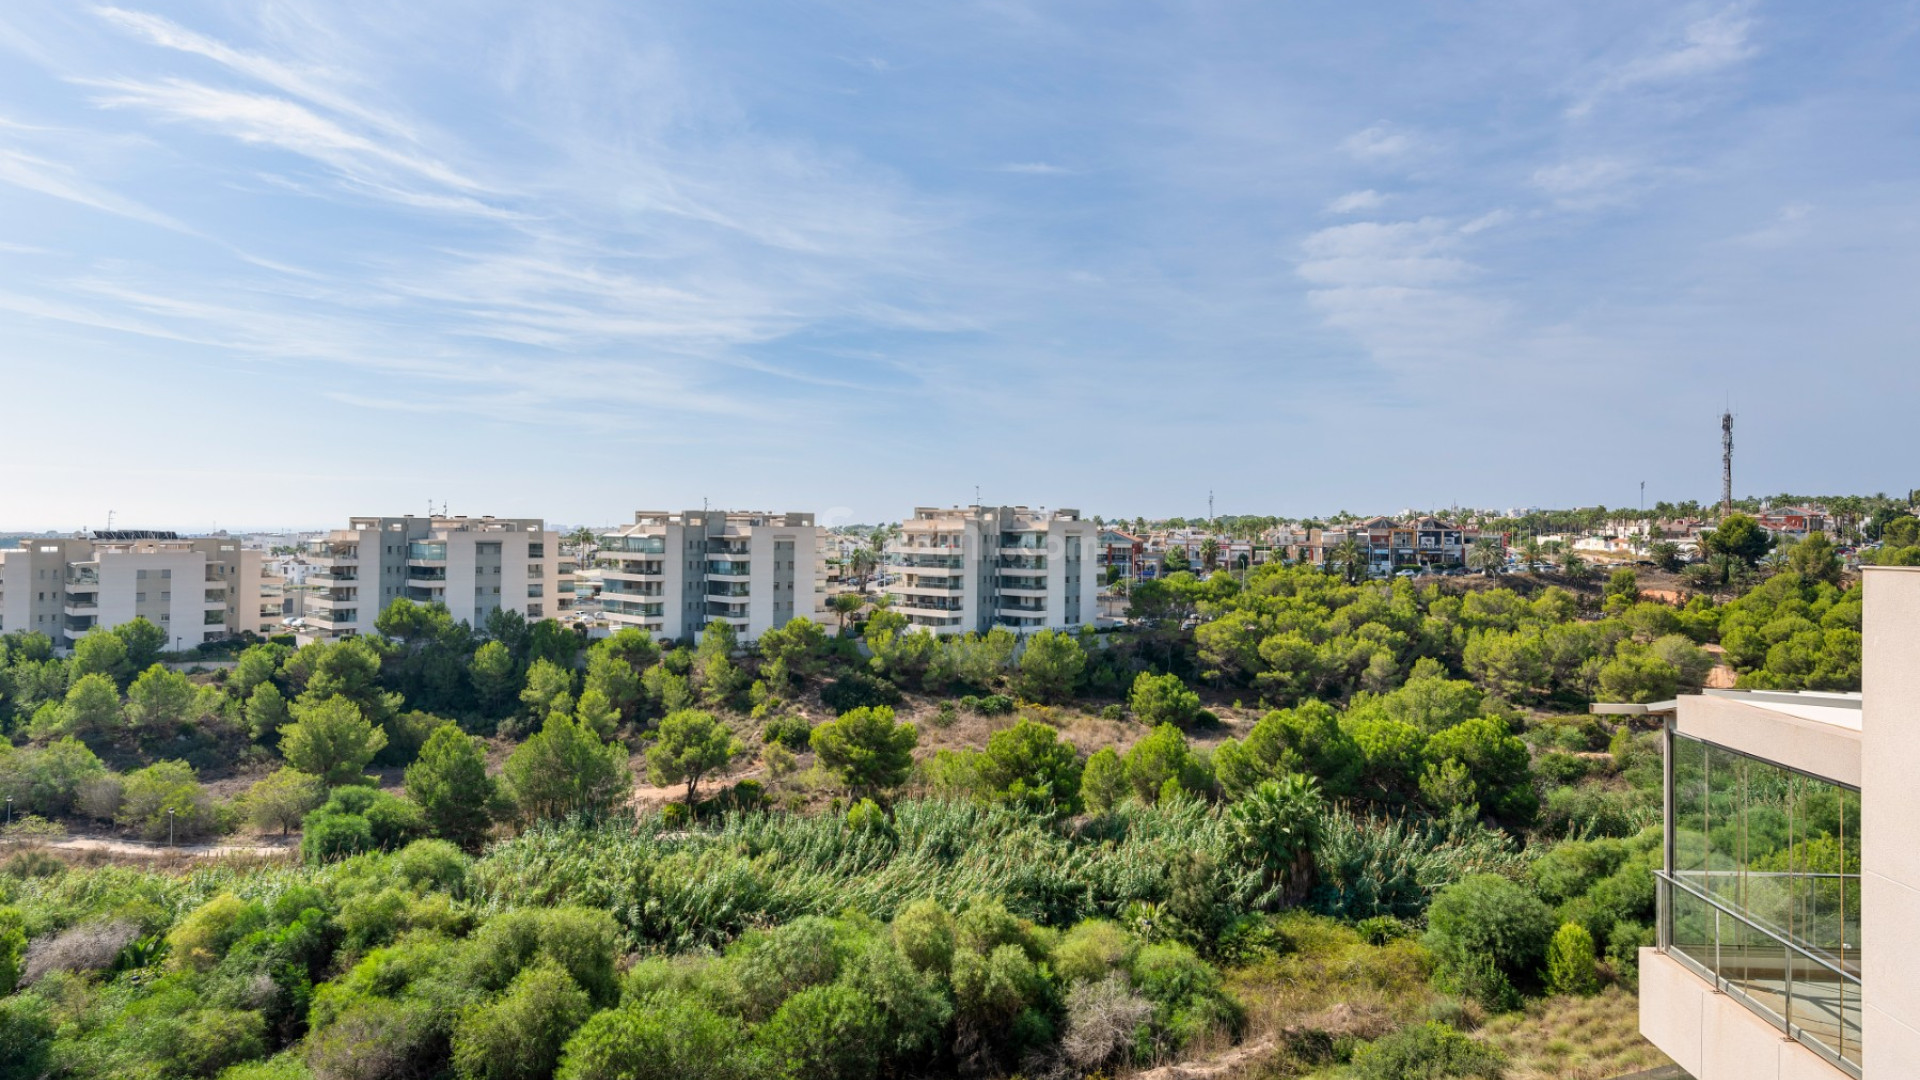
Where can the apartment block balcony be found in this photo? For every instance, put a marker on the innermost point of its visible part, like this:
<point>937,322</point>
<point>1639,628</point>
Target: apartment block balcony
<point>426,579</point>
<point>728,569</point>
<point>1023,541</point>
<point>337,575</point>
<point>83,581</point>
<point>636,571</point>
<point>633,545</point>
<point>623,587</point>
<point>915,547</point>
<point>915,586</point>
<point>340,619</point>
<point>633,608</point>
<point>1022,562</point>
<point>427,553</point>
<point>328,601</point>
<point>76,607</point>
<point>74,632</point>
<point>914,605</point>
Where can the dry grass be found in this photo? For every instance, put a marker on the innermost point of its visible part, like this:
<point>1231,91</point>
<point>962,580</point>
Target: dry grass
<point>1330,990</point>
<point>1574,1038</point>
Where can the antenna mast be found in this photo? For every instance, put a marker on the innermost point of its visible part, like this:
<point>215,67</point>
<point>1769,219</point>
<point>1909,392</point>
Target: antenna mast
<point>1726,463</point>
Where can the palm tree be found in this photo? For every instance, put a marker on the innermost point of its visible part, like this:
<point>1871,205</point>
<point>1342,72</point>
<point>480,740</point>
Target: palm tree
<point>1487,555</point>
<point>585,542</point>
<point>845,605</point>
<point>1351,559</point>
<point>1277,825</point>
<point>861,563</point>
<point>1530,553</point>
<point>1210,554</point>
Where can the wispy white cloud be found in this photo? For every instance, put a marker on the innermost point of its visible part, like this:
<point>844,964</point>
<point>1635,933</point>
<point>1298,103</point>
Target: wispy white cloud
<point>62,182</point>
<point>1398,288</point>
<point>1705,45</point>
<point>1380,143</point>
<point>1354,202</point>
<point>1034,168</point>
<point>1592,182</point>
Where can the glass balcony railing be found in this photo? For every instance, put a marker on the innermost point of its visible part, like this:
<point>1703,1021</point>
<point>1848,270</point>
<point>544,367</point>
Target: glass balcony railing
<point>1805,996</point>
<point>722,566</point>
<point>1761,892</point>
<point>427,551</point>
<point>635,545</point>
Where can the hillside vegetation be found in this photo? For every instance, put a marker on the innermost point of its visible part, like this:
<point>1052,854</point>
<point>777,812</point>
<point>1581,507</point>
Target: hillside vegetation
<point>526,855</point>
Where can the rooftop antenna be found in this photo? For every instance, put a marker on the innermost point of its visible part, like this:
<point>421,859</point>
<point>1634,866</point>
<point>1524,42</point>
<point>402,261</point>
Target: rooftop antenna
<point>1643,496</point>
<point>1210,518</point>
<point>109,521</point>
<point>1726,463</point>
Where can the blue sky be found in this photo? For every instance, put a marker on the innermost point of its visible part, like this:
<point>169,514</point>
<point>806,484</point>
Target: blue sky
<point>277,262</point>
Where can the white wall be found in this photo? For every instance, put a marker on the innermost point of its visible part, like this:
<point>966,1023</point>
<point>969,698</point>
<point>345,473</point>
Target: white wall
<point>1890,821</point>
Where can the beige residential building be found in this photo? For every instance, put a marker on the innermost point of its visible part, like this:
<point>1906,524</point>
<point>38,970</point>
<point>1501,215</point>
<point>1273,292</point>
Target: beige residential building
<point>1791,887</point>
<point>672,573</point>
<point>197,589</point>
<point>971,568</point>
<point>472,566</point>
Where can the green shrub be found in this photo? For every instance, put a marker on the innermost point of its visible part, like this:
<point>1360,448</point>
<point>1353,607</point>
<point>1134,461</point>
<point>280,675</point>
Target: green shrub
<point>1488,916</point>
<point>663,1036</point>
<point>1570,966</point>
<point>857,690</point>
<point>1624,941</point>
<point>1163,699</point>
<point>923,931</point>
<point>1093,950</point>
<point>913,1004</point>
<point>26,1038</point>
<point>519,1036</point>
<point>326,836</point>
<point>583,942</point>
<point>788,731</point>
<point>824,1033</point>
<point>1429,1051</point>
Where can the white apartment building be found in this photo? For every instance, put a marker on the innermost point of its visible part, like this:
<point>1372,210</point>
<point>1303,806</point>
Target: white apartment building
<point>1790,895</point>
<point>671,574</point>
<point>969,569</point>
<point>472,566</point>
<point>197,589</point>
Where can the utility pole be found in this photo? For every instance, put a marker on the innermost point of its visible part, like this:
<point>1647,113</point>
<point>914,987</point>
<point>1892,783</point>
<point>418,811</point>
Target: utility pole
<point>1210,518</point>
<point>1643,496</point>
<point>1726,463</point>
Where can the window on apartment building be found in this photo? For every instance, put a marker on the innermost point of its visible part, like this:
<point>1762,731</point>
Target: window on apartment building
<point>536,551</point>
<point>141,574</point>
<point>138,598</point>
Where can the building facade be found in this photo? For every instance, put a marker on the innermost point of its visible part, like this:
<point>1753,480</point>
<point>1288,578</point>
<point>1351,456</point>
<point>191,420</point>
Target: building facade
<point>1791,888</point>
<point>472,566</point>
<point>671,574</point>
<point>969,569</point>
<point>196,589</point>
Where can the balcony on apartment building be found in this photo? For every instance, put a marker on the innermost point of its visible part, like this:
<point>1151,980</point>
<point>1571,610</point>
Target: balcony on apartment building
<point>1023,541</point>
<point>1021,562</point>
<point>635,570</point>
<point>333,553</point>
<point>426,554</point>
<point>84,578</point>
<point>614,586</point>
<point>634,608</point>
<point>332,618</point>
<point>928,543</point>
<point>75,607</point>
<point>633,545</point>
<point>1022,585</point>
<point>728,568</point>
<point>930,605</point>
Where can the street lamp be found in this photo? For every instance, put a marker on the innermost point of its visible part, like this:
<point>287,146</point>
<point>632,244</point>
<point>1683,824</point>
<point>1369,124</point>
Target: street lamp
<point>9,809</point>
<point>169,826</point>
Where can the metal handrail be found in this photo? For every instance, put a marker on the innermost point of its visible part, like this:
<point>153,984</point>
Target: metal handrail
<point>1786,1023</point>
<point>1748,921</point>
<point>1754,921</point>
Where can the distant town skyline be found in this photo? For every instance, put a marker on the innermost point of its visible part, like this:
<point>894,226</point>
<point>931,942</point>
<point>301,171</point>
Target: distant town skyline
<point>290,261</point>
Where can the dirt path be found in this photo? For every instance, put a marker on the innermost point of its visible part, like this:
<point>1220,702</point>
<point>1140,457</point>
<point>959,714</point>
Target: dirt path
<point>1220,1065</point>
<point>114,846</point>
